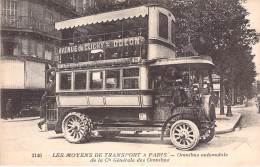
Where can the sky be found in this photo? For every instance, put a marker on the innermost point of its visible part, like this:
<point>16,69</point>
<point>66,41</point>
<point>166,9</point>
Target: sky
<point>253,7</point>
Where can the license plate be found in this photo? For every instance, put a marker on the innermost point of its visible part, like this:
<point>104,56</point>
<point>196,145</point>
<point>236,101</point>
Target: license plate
<point>142,116</point>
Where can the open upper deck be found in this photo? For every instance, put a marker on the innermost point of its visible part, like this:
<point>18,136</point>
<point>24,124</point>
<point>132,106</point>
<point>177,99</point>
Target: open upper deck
<point>144,32</point>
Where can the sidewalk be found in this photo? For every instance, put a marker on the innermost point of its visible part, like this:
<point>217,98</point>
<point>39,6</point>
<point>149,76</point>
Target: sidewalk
<point>20,119</point>
<point>227,124</point>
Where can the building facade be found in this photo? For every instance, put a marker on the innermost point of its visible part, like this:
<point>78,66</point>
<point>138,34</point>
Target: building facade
<point>28,48</point>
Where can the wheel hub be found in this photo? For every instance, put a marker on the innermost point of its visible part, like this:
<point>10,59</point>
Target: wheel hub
<point>76,126</point>
<point>184,134</point>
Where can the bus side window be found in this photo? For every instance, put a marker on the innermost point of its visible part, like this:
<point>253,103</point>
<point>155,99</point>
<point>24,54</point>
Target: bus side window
<point>96,80</point>
<point>80,80</point>
<point>65,81</point>
<point>163,26</point>
<point>173,33</point>
<point>131,78</point>
<point>113,79</point>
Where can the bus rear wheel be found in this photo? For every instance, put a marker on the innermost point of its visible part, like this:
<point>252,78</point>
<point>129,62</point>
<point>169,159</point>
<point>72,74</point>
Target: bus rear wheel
<point>184,135</point>
<point>77,127</point>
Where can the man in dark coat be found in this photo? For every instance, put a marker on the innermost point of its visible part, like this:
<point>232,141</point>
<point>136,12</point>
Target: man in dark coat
<point>9,109</point>
<point>48,99</point>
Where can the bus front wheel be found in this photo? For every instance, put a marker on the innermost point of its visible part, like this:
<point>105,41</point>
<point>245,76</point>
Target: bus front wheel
<point>184,135</point>
<point>77,127</point>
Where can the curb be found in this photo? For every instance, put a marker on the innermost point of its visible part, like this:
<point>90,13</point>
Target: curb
<point>230,129</point>
<point>21,119</point>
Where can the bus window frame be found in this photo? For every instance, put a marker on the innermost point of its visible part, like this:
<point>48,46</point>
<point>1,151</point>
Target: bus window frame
<point>158,27</point>
<point>136,77</point>
<point>72,78</point>
<point>120,78</point>
<point>89,80</point>
<point>173,32</point>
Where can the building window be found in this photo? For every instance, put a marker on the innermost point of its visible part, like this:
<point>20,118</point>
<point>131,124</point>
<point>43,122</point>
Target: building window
<point>96,80</point>
<point>48,52</point>
<point>10,13</point>
<point>48,16</point>
<point>65,81</point>
<point>39,50</point>
<point>131,78</point>
<point>8,48</point>
<point>113,79</point>
<point>173,32</point>
<point>32,48</point>
<point>49,20</point>
<point>163,26</point>
<point>80,80</point>
<point>10,7</point>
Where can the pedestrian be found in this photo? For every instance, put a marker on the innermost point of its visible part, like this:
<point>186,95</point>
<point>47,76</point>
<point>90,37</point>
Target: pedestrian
<point>258,103</point>
<point>48,100</point>
<point>9,110</point>
<point>43,111</point>
<point>229,103</point>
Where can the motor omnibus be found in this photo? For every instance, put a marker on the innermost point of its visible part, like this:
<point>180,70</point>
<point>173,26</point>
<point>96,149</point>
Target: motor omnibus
<point>119,71</point>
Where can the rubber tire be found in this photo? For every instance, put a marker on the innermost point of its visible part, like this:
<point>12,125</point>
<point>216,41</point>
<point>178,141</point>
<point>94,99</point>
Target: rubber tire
<point>194,130</point>
<point>85,123</point>
<point>206,139</point>
<point>108,134</point>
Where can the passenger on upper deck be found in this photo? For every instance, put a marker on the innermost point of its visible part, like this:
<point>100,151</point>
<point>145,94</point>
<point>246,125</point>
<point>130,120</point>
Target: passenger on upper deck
<point>97,54</point>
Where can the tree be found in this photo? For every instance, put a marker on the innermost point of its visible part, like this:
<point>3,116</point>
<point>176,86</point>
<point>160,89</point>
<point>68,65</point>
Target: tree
<point>217,28</point>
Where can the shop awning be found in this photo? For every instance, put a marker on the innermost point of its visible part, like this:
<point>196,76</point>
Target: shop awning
<point>103,17</point>
<point>195,62</point>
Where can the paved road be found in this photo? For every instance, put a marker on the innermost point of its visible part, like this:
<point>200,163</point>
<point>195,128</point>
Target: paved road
<point>22,139</point>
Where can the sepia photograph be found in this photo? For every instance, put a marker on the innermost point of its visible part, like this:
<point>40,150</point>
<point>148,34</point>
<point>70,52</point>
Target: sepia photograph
<point>130,83</point>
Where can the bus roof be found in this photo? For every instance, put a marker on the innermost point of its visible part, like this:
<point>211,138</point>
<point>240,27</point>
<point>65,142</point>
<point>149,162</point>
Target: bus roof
<point>194,62</point>
<point>105,17</point>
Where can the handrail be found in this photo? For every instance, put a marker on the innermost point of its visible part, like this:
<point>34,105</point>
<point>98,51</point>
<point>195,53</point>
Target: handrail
<point>139,30</point>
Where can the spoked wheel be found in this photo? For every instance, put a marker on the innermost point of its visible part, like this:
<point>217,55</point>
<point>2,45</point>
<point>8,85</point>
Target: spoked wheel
<point>108,134</point>
<point>77,127</point>
<point>208,136</point>
<point>184,135</point>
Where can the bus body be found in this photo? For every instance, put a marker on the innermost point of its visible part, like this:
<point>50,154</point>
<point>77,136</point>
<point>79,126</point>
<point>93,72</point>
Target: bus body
<point>118,71</point>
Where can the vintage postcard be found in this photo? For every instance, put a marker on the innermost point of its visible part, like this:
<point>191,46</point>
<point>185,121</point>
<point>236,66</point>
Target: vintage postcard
<point>130,83</point>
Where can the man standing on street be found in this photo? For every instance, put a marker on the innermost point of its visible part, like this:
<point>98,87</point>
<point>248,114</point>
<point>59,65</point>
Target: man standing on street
<point>9,110</point>
<point>43,111</point>
<point>48,99</point>
<point>258,103</point>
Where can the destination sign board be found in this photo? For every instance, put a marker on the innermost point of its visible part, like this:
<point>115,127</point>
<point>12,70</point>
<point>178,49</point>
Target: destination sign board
<point>131,60</point>
<point>101,45</point>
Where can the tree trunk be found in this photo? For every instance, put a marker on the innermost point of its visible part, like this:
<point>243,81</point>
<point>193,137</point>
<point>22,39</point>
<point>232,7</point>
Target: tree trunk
<point>221,102</point>
<point>233,93</point>
<point>211,82</point>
